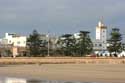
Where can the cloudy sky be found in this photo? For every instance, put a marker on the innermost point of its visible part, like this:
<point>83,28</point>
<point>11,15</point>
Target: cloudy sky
<point>59,16</point>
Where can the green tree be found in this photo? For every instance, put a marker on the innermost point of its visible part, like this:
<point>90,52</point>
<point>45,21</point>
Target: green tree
<point>43,47</point>
<point>67,43</point>
<point>71,45</point>
<point>84,46</point>
<point>115,44</point>
<point>34,43</point>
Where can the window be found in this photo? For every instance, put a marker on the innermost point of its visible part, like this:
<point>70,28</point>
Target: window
<point>18,42</point>
<point>10,41</point>
<point>100,45</point>
<point>95,45</point>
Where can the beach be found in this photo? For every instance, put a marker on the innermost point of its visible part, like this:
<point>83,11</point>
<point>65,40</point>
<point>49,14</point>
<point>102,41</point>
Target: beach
<point>102,73</point>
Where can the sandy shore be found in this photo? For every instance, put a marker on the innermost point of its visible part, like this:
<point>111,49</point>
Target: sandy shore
<point>62,60</point>
<point>104,73</point>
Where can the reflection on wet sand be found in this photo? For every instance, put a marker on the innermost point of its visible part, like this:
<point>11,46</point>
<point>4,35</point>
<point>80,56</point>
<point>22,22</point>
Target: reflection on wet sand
<point>21,80</point>
<point>14,80</point>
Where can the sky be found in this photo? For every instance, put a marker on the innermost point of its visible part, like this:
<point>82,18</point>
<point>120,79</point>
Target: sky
<point>60,16</point>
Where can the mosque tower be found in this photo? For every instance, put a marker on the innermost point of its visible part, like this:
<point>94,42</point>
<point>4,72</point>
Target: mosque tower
<point>101,34</point>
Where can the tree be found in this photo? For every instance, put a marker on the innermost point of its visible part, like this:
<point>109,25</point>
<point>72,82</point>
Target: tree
<point>84,46</point>
<point>67,43</point>
<point>70,45</point>
<point>34,43</point>
<point>43,47</point>
<point>115,44</point>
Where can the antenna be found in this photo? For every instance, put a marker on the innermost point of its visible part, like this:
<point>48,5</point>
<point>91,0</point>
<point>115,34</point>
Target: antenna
<point>102,19</point>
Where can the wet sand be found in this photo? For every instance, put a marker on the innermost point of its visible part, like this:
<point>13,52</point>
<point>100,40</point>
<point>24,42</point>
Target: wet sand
<point>102,73</point>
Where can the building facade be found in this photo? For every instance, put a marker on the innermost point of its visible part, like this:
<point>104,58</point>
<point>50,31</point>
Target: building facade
<point>15,40</point>
<point>12,45</point>
<point>100,42</point>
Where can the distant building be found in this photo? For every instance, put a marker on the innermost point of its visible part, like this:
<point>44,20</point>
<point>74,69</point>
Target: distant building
<point>52,40</point>
<point>12,44</point>
<point>15,40</point>
<point>76,35</point>
<point>101,37</point>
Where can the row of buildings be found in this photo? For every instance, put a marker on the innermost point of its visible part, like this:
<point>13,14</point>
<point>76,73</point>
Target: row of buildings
<point>16,45</point>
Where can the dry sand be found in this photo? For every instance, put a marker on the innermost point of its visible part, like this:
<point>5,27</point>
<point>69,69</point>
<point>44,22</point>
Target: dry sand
<point>102,73</point>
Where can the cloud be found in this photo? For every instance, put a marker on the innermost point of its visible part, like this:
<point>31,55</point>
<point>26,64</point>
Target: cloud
<point>59,16</point>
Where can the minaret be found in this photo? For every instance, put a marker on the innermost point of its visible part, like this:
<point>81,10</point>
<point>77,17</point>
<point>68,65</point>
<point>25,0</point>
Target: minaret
<point>101,33</point>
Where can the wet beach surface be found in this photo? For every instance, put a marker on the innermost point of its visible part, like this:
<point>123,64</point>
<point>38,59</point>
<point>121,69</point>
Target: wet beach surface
<point>22,80</point>
<point>66,73</point>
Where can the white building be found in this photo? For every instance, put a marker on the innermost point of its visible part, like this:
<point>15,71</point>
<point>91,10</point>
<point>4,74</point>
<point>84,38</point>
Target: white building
<point>101,31</point>
<point>77,35</point>
<point>101,37</point>
<point>15,40</point>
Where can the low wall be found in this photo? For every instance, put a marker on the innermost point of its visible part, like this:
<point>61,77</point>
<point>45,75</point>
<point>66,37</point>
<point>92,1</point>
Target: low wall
<point>62,60</point>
